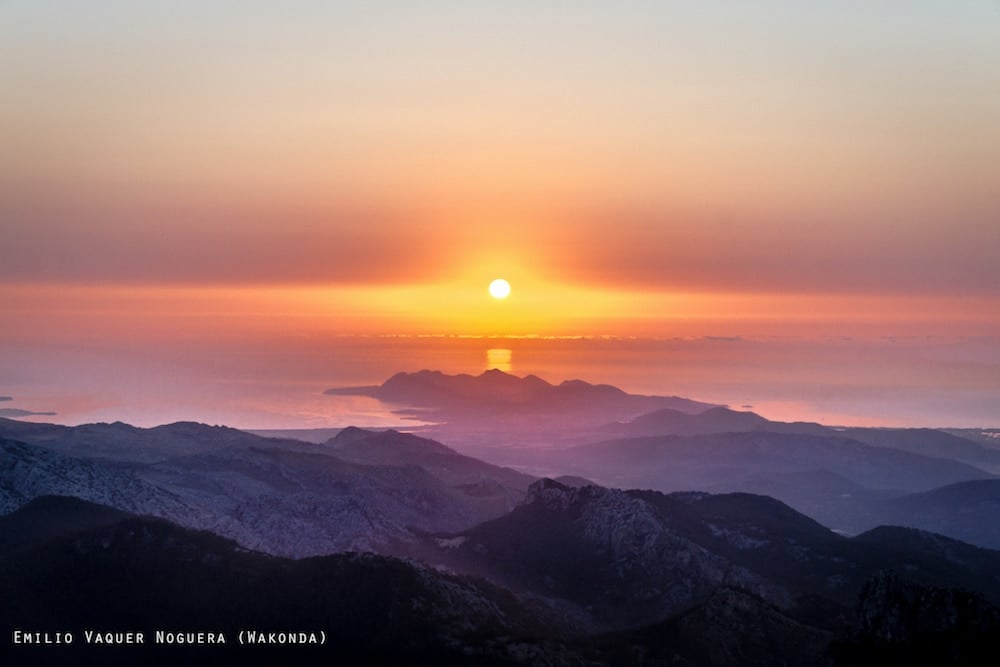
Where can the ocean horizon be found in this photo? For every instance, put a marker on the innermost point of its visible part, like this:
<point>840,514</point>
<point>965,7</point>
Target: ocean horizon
<point>280,383</point>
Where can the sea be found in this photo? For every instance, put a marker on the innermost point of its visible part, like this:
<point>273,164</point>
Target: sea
<point>279,382</point>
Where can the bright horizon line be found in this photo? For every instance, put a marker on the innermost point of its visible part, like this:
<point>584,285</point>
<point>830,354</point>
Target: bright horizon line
<point>485,276</point>
<point>536,308</point>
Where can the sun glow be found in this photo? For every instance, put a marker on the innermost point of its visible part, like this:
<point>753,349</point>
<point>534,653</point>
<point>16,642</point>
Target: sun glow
<point>184,314</point>
<point>499,289</point>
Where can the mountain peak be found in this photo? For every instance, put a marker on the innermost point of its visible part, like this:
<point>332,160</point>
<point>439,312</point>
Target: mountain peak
<point>497,408</point>
<point>496,372</point>
<point>545,487</point>
<point>348,436</point>
<point>388,446</point>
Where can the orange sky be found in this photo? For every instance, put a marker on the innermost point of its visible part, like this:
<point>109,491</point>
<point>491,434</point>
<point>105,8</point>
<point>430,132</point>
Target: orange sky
<point>369,167</point>
<point>109,316</point>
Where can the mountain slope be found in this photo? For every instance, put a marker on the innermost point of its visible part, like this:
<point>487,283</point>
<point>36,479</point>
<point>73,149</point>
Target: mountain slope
<point>965,511</point>
<point>279,500</point>
<point>297,504</point>
<point>46,518</point>
<point>506,487</point>
<point>634,558</point>
<point>967,566</point>
<point>501,417</point>
<point>28,471</point>
<point>600,549</point>
<point>902,623</point>
<point>927,442</point>
<point>494,393</point>
<point>732,628</point>
<point>668,421</point>
<point>369,608</point>
<point>691,462</point>
<point>126,443</point>
<point>684,578</point>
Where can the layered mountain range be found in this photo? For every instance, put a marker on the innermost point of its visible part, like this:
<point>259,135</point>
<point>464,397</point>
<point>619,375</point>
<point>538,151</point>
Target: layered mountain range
<point>751,542</point>
<point>284,497</point>
<point>498,410</point>
<point>585,576</point>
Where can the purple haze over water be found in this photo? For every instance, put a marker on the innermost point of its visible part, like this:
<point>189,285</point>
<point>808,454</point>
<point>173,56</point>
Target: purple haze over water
<point>280,383</point>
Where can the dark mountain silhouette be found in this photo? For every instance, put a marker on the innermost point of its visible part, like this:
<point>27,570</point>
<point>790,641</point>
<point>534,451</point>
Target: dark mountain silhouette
<point>141,574</point>
<point>314,435</point>
<point>607,553</point>
<point>771,539</point>
<point>982,564</point>
<point>685,578</point>
<point>493,393</point>
<point>496,408</point>
<point>47,518</point>
<point>732,628</point>
<point>902,623</point>
<point>574,481</point>
<point>623,560</point>
<point>843,483</point>
<point>691,570</point>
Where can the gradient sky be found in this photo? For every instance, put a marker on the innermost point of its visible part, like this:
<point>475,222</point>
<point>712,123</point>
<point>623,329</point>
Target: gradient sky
<point>621,163</point>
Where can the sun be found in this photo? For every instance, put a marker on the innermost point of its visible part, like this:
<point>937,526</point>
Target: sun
<point>499,289</point>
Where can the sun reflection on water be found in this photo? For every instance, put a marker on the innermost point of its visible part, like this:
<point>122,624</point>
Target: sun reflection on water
<point>499,358</point>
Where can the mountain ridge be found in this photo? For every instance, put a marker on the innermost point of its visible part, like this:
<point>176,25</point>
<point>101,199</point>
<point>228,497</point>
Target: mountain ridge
<point>496,391</point>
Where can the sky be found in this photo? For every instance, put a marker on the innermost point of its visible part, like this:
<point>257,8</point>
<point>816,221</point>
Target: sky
<point>240,170</point>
